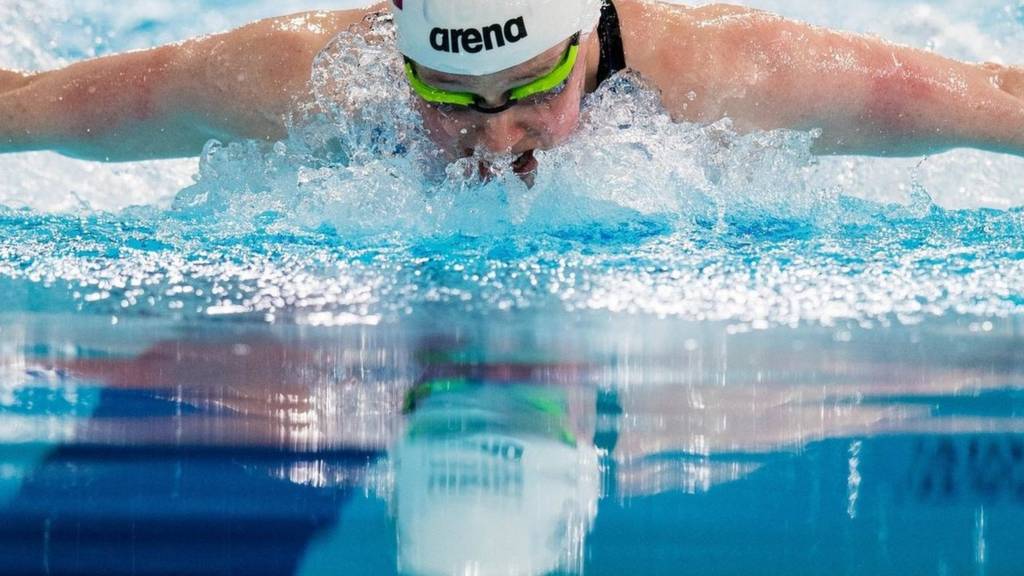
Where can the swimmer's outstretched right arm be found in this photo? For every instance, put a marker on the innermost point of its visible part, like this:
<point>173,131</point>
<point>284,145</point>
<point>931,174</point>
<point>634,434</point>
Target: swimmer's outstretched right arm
<point>865,95</point>
<point>169,101</point>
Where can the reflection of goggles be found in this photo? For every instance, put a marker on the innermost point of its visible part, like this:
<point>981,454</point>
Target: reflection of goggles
<point>546,412</point>
<point>547,83</point>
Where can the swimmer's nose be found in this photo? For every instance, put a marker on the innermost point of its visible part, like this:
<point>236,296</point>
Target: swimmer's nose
<point>500,132</point>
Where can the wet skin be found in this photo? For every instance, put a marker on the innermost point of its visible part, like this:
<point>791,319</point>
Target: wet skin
<point>764,72</point>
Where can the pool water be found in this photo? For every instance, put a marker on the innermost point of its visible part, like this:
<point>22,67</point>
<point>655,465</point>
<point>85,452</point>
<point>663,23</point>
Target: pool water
<point>684,350</point>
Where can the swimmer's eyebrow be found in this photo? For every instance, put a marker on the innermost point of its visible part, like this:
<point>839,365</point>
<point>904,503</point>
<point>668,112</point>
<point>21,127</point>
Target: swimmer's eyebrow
<point>534,75</point>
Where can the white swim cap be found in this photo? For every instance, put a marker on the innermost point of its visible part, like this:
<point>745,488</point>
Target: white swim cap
<point>479,37</point>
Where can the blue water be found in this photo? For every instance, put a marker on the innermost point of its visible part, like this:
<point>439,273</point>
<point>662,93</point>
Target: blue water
<point>684,350</point>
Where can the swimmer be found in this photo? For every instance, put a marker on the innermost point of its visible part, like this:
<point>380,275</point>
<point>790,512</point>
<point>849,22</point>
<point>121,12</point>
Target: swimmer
<point>509,78</point>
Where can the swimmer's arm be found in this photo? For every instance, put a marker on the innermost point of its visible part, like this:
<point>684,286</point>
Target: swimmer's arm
<point>115,108</point>
<point>865,95</point>
<point>169,101</point>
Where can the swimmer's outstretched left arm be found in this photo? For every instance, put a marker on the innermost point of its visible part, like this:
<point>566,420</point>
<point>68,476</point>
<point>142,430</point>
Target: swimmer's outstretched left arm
<point>865,95</point>
<point>170,100</point>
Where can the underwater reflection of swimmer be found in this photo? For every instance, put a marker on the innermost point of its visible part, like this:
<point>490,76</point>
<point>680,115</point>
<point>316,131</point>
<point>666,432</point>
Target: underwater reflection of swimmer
<point>500,476</point>
<point>317,394</point>
<point>263,392</point>
<point>492,477</point>
<point>502,464</point>
<point>324,394</point>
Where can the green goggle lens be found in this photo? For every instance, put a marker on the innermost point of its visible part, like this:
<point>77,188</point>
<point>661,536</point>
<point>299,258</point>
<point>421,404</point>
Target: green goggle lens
<point>545,83</point>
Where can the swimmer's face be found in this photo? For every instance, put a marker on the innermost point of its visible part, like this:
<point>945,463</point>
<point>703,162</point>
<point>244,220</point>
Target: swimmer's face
<point>538,122</point>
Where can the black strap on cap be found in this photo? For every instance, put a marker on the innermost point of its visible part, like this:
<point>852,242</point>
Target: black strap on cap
<point>609,33</point>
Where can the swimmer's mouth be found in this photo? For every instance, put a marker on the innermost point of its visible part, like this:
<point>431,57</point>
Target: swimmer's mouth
<point>525,164</point>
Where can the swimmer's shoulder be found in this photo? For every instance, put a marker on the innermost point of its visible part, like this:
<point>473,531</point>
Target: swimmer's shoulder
<point>325,23</point>
<point>264,67</point>
<point>301,33</point>
<point>653,30</point>
<point>681,50</point>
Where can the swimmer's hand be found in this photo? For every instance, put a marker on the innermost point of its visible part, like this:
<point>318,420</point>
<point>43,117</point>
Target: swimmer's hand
<point>866,96</point>
<point>169,101</point>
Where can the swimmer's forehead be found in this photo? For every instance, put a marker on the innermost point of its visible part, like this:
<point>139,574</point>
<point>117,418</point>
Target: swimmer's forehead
<point>525,72</point>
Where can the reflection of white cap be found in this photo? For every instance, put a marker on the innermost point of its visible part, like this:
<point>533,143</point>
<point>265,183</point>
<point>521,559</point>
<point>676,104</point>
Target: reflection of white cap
<point>493,504</point>
<point>478,37</point>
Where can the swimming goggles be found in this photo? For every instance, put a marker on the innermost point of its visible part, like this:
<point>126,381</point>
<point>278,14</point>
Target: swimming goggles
<point>547,83</point>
